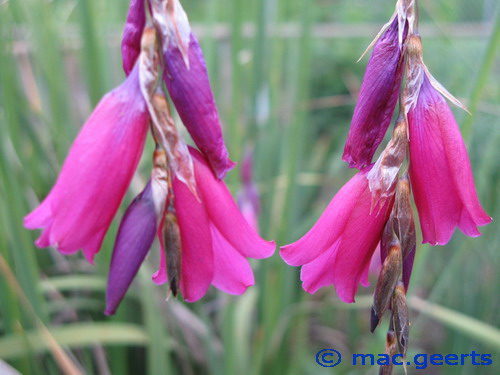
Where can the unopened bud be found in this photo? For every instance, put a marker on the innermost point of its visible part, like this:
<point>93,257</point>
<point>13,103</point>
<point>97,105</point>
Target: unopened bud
<point>388,278</point>
<point>173,249</point>
<point>133,241</point>
<point>400,318</point>
<point>404,225</point>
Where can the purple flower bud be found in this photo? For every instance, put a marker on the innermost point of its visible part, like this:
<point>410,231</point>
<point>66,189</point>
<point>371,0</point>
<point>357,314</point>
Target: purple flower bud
<point>132,33</point>
<point>135,237</point>
<point>189,88</point>
<point>377,99</point>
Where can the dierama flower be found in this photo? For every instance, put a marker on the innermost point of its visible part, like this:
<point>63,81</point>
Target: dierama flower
<point>377,98</point>
<point>338,248</point>
<point>214,242</point>
<point>96,173</point>
<point>187,81</point>
<point>216,239</point>
<point>440,171</point>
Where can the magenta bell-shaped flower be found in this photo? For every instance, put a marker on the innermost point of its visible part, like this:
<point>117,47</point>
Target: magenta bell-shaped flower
<point>339,247</point>
<point>440,171</point>
<point>216,239</point>
<point>96,174</point>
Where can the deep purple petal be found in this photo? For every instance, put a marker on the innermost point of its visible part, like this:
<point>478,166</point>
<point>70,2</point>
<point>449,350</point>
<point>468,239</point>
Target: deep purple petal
<point>133,241</point>
<point>377,100</point>
<point>132,33</point>
<point>193,98</point>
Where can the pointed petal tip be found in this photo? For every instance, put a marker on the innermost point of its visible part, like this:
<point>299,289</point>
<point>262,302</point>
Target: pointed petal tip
<point>351,163</point>
<point>110,311</point>
<point>42,242</point>
<point>158,279</point>
<point>374,320</point>
<point>287,256</point>
<point>222,172</point>
<point>269,247</point>
<point>345,296</point>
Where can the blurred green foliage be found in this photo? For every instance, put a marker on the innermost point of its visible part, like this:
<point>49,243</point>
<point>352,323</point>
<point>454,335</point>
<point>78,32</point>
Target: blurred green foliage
<point>290,99</point>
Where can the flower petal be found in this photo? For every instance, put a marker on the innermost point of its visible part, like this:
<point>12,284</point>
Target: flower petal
<point>440,171</point>
<point>96,173</point>
<point>189,88</point>
<point>224,213</point>
<point>133,241</point>
<point>318,273</point>
<point>329,226</point>
<point>196,241</point>
<point>360,238</point>
<point>377,100</point>
<point>232,271</point>
<point>132,33</point>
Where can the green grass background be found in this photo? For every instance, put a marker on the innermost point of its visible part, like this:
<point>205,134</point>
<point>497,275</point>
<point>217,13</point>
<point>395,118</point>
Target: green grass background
<point>289,96</point>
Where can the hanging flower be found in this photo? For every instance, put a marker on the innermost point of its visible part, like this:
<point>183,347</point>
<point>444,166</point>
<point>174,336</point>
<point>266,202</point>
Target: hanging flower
<point>339,247</point>
<point>95,175</point>
<point>440,171</point>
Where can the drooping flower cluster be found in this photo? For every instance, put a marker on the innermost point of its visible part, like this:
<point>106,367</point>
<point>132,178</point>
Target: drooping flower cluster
<point>204,238</point>
<point>374,207</point>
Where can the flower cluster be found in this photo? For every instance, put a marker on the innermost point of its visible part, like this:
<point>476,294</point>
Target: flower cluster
<point>204,238</point>
<point>374,207</point>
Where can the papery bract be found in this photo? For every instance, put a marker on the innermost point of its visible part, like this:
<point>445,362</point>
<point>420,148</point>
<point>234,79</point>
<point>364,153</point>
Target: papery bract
<point>132,33</point>
<point>377,100</point>
<point>216,239</point>
<point>440,171</point>
<point>338,248</point>
<point>96,173</point>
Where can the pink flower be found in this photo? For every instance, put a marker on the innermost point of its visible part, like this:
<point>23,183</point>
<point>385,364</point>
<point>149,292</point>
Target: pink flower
<point>132,33</point>
<point>96,173</point>
<point>440,171</point>
<point>216,239</point>
<point>189,88</point>
<point>377,99</point>
<point>339,247</point>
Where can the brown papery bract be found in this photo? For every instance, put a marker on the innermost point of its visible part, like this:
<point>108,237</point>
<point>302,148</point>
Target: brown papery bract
<point>388,278</point>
